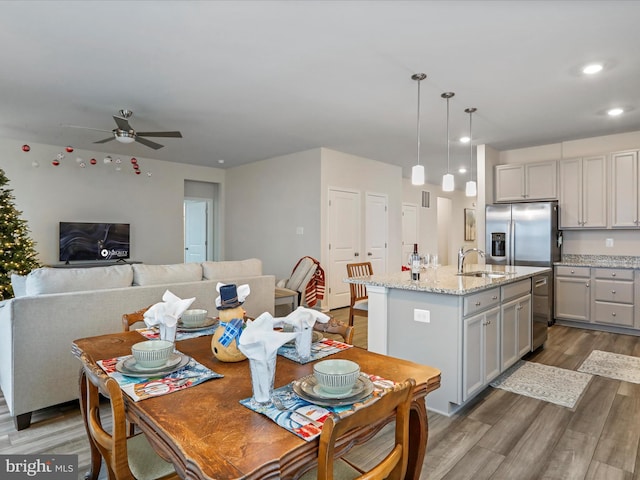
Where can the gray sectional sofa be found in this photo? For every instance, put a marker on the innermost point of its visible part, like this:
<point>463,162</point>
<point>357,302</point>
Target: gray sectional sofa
<point>59,305</point>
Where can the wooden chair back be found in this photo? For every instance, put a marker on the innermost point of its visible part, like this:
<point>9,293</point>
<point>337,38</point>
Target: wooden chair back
<point>337,327</point>
<point>358,291</point>
<point>113,444</point>
<point>394,465</point>
<point>129,319</point>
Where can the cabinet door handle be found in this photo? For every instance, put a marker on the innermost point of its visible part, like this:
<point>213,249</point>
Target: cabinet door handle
<point>613,292</point>
<point>478,304</point>
<point>572,272</point>
<point>495,297</point>
<point>356,254</point>
<point>613,274</point>
<point>587,284</point>
<point>613,314</point>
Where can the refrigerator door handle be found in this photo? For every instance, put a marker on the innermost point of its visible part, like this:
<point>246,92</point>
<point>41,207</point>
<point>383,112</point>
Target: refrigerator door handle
<point>511,243</point>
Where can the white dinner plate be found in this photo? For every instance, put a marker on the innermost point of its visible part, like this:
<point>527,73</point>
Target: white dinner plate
<point>176,362</point>
<point>304,388</point>
<point>207,324</point>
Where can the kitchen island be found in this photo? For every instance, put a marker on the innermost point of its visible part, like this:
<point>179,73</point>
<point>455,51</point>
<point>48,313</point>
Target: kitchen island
<point>472,327</point>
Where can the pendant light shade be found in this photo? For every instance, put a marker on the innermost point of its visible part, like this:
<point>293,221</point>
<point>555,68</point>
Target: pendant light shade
<point>417,175</point>
<point>471,189</point>
<point>417,172</point>
<point>448,183</point>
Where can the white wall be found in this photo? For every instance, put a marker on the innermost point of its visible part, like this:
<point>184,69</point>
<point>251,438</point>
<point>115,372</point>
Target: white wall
<point>586,242</point>
<point>266,202</point>
<point>152,205</point>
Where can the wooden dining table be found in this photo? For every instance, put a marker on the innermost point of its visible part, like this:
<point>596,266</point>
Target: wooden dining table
<point>207,434</point>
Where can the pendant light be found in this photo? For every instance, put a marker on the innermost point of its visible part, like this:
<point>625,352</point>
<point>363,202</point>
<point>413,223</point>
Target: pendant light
<point>417,172</point>
<point>471,189</point>
<point>447,180</point>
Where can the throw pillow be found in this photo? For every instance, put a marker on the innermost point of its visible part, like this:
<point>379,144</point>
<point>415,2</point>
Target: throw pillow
<point>251,267</point>
<point>60,280</point>
<point>163,274</point>
<point>19,285</point>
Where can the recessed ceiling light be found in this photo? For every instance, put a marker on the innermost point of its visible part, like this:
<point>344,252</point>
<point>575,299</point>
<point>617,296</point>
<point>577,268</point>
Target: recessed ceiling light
<point>464,139</point>
<point>220,161</point>
<point>614,112</point>
<point>462,170</point>
<point>592,68</point>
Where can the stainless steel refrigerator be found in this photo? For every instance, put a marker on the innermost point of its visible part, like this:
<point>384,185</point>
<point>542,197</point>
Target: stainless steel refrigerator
<point>527,234</point>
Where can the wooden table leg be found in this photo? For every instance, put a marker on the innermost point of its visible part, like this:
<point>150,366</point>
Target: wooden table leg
<point>418,434</point>
<point>96,457</point>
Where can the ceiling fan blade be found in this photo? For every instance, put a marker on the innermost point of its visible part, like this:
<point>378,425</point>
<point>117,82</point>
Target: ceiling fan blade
<point>148,143</point>
<point>105,140</point>
<point>159,134</point>
<point>86,128</point>
<point>123,123</point>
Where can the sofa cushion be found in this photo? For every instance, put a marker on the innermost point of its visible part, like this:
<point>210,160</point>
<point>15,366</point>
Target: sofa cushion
<point>162,274</point>
<point>19,285</point>
<point>61,280</point>
<point>250,267</point>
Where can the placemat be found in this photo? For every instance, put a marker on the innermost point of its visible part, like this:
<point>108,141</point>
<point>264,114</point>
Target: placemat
<point>138,389</point>
<point>321,349</point>
<point>302,426</point>
<point>153,333</point>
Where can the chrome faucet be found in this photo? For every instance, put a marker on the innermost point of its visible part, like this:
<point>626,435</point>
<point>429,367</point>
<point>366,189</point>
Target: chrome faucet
<point>462,253</point>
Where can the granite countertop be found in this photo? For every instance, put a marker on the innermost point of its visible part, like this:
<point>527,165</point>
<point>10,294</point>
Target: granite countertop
<point>607,261</point>
<point>445,280</point>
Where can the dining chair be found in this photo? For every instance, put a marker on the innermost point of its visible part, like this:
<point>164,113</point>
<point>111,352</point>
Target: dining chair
<point>128,319</point>
<point>394,465</point>
<point>337,327</point>
<point>359,299</point>
<point>126,458</point>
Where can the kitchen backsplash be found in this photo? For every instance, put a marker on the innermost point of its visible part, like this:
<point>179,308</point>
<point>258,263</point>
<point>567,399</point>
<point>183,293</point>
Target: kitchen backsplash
<point>624,261</point>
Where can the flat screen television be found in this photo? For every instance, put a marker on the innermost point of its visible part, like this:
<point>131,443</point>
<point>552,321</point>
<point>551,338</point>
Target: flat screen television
<point>93,241</point>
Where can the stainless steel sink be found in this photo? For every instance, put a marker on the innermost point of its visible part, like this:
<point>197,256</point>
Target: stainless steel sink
<point>484,274</point>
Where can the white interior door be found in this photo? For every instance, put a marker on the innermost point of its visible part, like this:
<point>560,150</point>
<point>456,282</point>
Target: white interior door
<point>376,232</point>
<point>195,231</point>
<point>344,243</point>
<point>409,229</point>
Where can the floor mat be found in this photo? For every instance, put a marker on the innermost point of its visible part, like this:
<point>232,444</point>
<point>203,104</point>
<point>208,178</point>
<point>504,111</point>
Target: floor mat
<point>551,384</point>
<point>612,365</point>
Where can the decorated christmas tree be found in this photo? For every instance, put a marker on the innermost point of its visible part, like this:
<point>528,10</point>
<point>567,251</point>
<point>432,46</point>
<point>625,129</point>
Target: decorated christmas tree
<point>17,252</point>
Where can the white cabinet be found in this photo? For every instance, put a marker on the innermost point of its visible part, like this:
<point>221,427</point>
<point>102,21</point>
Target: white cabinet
<point>515,321</point>
<point>583,192</point>
<point>625,200</point>
<point>613,302</point>
<point>526,182</point>
<point>481,351</point>
<point>572,293</point>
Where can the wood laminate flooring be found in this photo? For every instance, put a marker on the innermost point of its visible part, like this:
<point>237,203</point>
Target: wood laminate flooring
<point>500,435</point>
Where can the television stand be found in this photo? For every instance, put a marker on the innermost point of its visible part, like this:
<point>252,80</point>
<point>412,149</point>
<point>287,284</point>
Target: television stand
<point>94,264</point>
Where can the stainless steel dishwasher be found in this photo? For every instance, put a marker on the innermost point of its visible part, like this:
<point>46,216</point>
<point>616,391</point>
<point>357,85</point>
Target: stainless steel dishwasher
<point>541,311</point>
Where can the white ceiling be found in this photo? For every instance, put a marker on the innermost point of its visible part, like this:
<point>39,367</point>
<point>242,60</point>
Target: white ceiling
<point>249,80</point>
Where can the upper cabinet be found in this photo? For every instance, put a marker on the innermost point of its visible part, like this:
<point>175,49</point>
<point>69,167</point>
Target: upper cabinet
<point>526,182</point>
<point>625,199</point>
<point>583,192</point>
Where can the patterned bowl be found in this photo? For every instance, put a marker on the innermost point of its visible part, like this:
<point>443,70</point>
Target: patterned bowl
<point>152,353</point>
<point>194,318</point>
<point>336,376</point>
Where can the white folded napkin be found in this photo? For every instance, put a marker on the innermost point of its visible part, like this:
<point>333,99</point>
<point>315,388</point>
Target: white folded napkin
<point>165,314</point>
<point>259,342</point>
<point>302,320</point>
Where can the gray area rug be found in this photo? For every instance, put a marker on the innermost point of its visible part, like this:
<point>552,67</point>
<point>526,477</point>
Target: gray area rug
<point>612,365</point>
<point>551,384</point>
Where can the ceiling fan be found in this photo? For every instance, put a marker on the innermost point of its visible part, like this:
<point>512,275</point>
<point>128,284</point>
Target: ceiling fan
<point>124,132</point>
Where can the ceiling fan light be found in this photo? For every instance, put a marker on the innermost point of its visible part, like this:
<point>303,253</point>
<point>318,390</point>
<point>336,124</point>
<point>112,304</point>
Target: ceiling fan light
<point>124,137</point>
<point>417,175</point>
<point>447,183</point>
<point>471,190</point>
